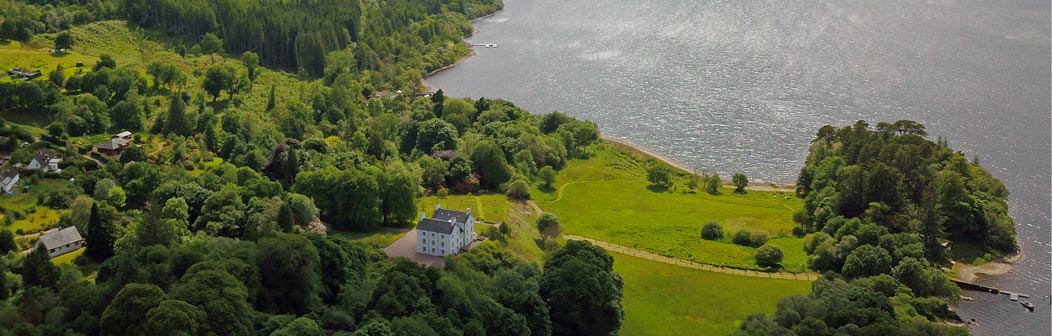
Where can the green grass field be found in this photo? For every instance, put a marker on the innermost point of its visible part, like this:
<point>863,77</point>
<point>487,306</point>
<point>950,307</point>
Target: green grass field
<point>68,257</point>
<point>41,217</point>
<point>379,238</point>
<point>662,299</point>
<point>607,198</point>
<point>490,208</point>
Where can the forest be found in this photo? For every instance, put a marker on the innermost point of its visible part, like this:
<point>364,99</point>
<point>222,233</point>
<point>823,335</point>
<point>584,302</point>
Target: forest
<point>885,209</point>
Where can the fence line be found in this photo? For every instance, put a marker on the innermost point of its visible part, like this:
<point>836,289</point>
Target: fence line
<point>694,265</point>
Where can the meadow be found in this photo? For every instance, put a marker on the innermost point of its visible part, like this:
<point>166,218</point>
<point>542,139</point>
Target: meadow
<point>37,219</point>
<point>606,197</point>
<point>663,299</point>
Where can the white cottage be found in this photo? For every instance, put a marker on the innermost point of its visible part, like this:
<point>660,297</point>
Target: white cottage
<point>61,241</point>
<point>46,160</point>
<point>8,178</point>
<point>445,233</point>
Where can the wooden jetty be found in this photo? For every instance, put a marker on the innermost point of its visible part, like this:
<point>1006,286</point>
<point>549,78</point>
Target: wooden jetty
<point>975,287</point>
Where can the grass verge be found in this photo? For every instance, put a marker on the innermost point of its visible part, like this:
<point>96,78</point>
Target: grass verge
<point>662,299</point>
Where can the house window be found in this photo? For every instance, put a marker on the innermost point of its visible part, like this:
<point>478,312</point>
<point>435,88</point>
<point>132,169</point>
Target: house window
<point>443,251</point>
<point>443,244</point>
<point>52,250</point>
<point>432,250</point>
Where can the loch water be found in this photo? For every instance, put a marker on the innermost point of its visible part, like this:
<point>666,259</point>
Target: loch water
<point>741,86</point>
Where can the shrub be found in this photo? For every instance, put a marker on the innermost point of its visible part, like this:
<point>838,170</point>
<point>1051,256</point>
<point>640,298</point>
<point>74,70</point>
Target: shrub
<point>758,239</point>
<point>742,237</point>
<point>519,190</point>
<point>659,176</point>
<point>548,225</point>
<point>740,182</point>
<point>712,231</point>
<point>712,184</point>
<point>748,238</point>
<point>769,256</point>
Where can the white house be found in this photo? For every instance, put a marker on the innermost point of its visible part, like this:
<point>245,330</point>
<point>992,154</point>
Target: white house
<point>445,233</point>
<point>45,159</point>
<point>8,178</point>
<point>62,241</point>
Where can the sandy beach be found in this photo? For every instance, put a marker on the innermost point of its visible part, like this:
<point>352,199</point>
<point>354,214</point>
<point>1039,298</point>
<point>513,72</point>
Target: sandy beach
<point>1001,266</point>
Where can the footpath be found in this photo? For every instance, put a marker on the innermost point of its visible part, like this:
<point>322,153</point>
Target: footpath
<point>690,264</point>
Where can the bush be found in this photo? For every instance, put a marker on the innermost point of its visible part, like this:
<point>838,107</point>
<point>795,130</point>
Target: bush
<point>742,237</point>
<point>740,182</point>
<point>712,184</point>
<point>712,231</point>
<point>659,175</point>
<point>758,238</point>
<point>548,225</point>
<point>747,238</point>
<point>519,190</point>
<point>769,256</point>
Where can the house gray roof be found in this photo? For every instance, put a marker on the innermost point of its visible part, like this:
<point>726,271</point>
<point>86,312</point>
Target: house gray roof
<point>7,173</point>
<point>434,225</point>
<point>124,134</point>
<point>60,238</point>
<point>114,143</point>
<point>43,156</point>
<point>446,214</point>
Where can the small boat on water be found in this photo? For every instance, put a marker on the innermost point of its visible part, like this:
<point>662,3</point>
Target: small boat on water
<point>967,298</point>
<point>1029,306</point>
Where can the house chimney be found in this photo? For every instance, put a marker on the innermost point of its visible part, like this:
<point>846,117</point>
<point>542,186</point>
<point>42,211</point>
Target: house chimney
<point>438,206</point>
<point>421,216</point>
<point>468,211</point>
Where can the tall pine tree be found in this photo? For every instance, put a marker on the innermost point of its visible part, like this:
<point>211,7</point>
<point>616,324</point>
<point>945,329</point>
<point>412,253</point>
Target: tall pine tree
<point>100,234</point>
<point>37,269</point>
<point>177,123</point>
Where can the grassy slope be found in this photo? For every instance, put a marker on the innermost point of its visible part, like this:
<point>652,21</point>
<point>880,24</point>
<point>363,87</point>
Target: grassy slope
<point>131,48</point>
<point>42,217</point>
<point>607,198</point>
<point>661,299</point>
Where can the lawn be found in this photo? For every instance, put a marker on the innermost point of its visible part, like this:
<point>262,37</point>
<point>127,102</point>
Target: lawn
<point>68,257</point>
<point>662,299</point>
<point>21,202</point>
<point>490,208</point>
<point>607,198</point>
<point>42,218</point>
<point>379,238</point>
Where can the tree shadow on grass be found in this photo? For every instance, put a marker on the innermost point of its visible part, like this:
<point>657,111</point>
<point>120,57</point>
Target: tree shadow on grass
<point>657,188</point>
<point>546,189</point>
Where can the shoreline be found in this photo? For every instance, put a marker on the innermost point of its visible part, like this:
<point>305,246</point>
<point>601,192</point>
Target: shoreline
<point>423,81</point>
<point>753,185</point>
<point>998,267</point>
